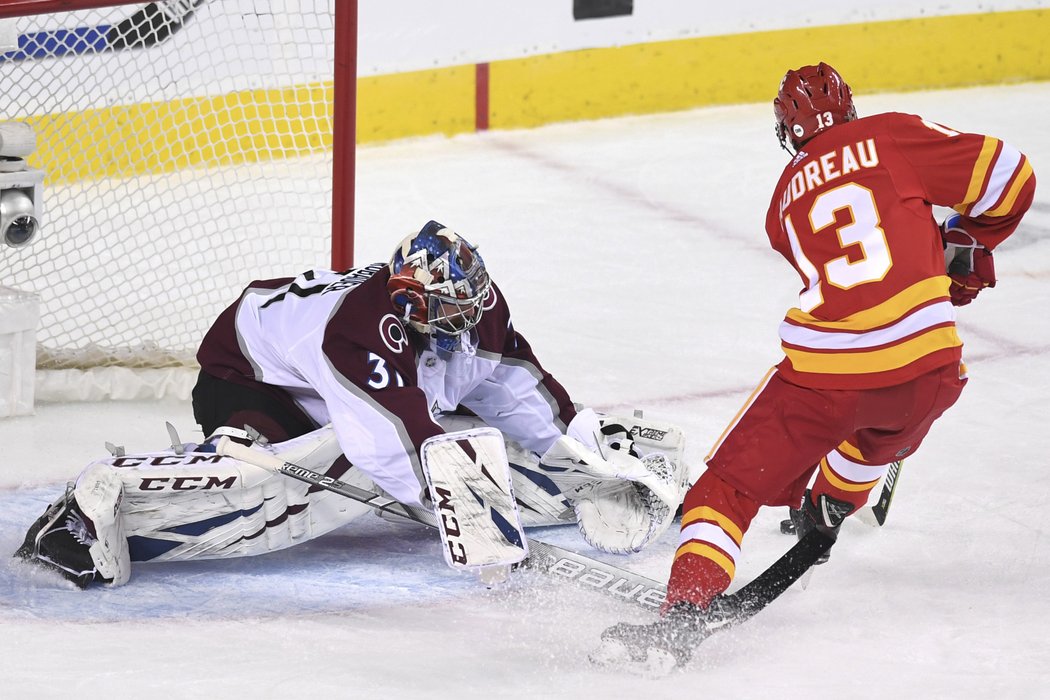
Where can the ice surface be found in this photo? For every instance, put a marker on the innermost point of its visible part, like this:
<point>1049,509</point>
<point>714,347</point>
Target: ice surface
<point>634,259</point>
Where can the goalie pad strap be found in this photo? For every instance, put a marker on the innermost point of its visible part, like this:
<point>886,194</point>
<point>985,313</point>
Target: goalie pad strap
<point>241,436</point>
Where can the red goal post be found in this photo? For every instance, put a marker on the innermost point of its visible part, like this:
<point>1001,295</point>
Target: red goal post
<point>189,147</point>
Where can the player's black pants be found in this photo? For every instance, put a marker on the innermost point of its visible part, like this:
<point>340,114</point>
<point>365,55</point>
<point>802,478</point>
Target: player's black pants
<point>271,411</point>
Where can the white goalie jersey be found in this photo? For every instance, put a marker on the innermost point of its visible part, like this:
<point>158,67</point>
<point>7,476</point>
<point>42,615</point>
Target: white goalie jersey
<point>329,342</point>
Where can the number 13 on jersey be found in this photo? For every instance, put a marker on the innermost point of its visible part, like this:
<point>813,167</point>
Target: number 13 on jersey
<point>863,234</point>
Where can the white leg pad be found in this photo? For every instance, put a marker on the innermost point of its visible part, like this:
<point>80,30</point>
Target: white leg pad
<point>540,501</point>
<point>201,505</point>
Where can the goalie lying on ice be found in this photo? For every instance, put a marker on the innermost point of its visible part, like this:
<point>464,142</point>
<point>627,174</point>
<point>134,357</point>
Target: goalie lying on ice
<point>190,502</point>
<point>383,354</point>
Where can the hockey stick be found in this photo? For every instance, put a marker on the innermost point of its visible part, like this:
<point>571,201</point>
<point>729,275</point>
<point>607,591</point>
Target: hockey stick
<point>768,585</point>
<point>150,26</point>
<point>889,487</point>
<point>550,559</point>
<point>876,514</point>
<point>676,636</point>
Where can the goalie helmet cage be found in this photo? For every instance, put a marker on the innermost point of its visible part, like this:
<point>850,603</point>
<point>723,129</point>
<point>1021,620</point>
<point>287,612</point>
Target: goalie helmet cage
<point>190,147</point>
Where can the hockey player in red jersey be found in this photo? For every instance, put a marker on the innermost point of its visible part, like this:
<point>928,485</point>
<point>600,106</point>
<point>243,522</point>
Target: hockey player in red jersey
<point>349,374</point>
<point>872,357</point>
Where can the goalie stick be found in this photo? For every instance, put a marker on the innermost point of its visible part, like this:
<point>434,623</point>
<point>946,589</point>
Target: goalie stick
<point>555,561</point>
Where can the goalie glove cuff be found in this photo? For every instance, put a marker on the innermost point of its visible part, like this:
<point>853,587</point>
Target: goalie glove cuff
<point>585,428</point>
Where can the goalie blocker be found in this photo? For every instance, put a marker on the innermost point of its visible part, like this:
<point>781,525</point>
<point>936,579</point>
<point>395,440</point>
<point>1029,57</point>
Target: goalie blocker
<point>469,482</point>
<point>191,503</point>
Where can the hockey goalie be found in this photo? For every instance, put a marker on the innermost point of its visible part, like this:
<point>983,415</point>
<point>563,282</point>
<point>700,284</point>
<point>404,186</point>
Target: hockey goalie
<point>406,379</point>
<point>190,502</point>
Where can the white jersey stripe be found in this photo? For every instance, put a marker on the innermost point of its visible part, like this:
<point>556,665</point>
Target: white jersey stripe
<point>927,317</point>
<point>1004,168</point>
<point>712,534</point>
<point>854,471</point>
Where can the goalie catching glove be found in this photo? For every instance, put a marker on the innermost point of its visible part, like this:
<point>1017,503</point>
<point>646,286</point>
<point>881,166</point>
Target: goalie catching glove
<point>622,501</point>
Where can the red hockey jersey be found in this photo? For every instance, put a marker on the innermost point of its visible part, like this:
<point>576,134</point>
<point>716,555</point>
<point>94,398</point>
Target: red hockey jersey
<point>853,214</point>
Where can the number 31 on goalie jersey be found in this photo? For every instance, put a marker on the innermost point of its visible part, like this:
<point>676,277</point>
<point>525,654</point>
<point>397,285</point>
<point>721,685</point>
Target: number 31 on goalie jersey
<point>864,231</point>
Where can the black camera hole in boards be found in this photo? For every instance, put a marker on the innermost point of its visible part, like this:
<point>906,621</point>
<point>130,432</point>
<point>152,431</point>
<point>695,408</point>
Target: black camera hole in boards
<point>596,9</point>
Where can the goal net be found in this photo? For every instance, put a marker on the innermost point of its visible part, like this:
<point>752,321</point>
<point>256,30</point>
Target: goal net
<point>188,149</point>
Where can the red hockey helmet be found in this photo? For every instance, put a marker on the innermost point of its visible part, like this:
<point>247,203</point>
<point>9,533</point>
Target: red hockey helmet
<point>810,100</point>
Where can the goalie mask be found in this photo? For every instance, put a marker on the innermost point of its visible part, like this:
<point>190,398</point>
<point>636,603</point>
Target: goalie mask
<point>810,100</point>
<point>438,282</point>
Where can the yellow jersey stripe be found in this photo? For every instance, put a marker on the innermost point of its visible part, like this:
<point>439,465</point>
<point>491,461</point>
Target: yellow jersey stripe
<point>740,413</point>
<point>980,172</point>
<point>850,451</point>
<point>885,313</point>
<point>1004,165</point>
<point>708,552</point>
<point>708,513</point>
<point>871,361</point>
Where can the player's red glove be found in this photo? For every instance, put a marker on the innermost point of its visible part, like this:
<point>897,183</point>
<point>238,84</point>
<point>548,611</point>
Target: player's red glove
<point>969,264</point>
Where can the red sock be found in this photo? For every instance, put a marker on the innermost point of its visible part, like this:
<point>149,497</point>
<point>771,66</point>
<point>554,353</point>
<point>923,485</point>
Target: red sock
<point>695,579</point>
<point>715,518</point>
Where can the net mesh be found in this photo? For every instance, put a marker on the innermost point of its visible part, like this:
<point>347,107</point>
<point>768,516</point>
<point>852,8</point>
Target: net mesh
<point>187,147</point>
